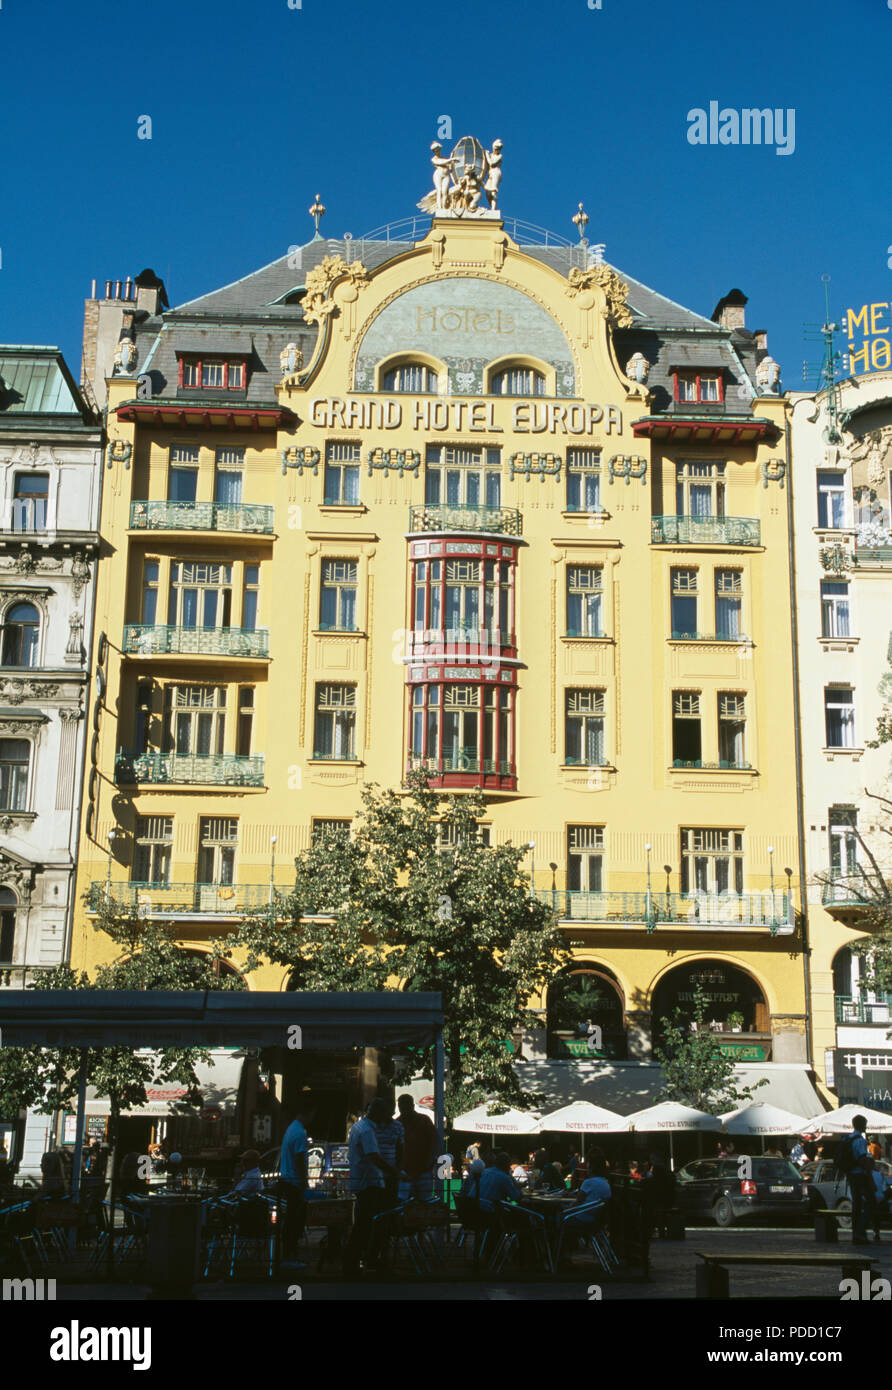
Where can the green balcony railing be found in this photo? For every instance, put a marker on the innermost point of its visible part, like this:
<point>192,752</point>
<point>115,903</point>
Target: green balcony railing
<point>872,555</point>
<point>712,767</point>
<point>739,637</point>
<point>179,898</point>
<point>214,769</point>
<point>504,521</point>
<point>771,910</point>
<point>849,1010</point>
<point>705,530</point>
<point>201,516</point>
<point>854,890</point>
<point>161,640</point>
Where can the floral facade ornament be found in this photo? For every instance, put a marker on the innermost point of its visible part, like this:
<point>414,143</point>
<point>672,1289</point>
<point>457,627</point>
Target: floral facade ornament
<point>17,875</point>
<point>318,303</point>
<point>291,359</point>
<point>628,467</point>
<point>118,451</point>
<point>301,457</point>
<point>17,691</point>
<point>580,284</point>
<point>24,562</point>
<point>836,559</point>
<point>539,466</point>
<point>400,460</point>
<point>774,471</point>
<point>80,573</point>
<point>874,535</point>
<point>637,368</point>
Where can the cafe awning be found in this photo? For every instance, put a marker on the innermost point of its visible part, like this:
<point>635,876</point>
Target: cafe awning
<point>218,1081</point>
<point>217,1018</point>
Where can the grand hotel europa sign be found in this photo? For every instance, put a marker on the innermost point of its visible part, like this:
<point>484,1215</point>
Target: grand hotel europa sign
<point>527,417</point>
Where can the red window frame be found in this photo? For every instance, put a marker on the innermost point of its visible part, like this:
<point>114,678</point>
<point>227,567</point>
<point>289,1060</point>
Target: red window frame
<point>698,378</point>
<point>199,362</point>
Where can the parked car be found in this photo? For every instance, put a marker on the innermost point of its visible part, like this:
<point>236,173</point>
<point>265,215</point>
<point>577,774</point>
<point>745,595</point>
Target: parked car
<point>713,1188</point>
<point>828,1189</point>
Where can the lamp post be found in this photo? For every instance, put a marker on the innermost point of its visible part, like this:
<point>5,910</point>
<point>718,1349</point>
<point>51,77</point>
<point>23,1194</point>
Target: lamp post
<point>273,840</point>
<point>771,878</point>
<point>553,868</point>
<point>111,840</point>
<point>789,873</point>
<point>667,870</point>
<point>531,846</point>
<point>648,900</point>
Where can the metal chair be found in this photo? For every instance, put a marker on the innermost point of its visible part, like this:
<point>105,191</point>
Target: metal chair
<point>588,1222</point>
<point>515,1223</point>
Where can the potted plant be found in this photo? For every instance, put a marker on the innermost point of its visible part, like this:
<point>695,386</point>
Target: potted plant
<point>735,1022</point>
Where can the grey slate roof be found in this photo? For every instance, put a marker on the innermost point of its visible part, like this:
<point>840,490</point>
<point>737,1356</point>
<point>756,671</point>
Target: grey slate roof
<point>36,381</point>
<point>250,317</point>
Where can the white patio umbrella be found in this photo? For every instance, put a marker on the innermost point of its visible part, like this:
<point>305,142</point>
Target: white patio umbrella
<point>762,1119</point>
<point>583,1118</point>
<point>840,1121</point>
<point>670,1117</point>
<point>478,1121</point>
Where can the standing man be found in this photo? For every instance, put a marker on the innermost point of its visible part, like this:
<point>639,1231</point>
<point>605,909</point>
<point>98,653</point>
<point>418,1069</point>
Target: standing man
<point>293,1187</point>
<point>368,1174</point>
<point>857,1165</point>
<point>419,1152</point>
<point>391,1142</point>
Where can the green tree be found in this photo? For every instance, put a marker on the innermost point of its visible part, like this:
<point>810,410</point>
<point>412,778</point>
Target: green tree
<point>695,1070</point>
<point>869,887</point>
<point>414,895</point>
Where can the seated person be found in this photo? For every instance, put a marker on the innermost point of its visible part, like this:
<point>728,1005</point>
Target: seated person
<point>250,1182</point>
<point>547,1177</point>
<point>497,1184</point>
<point>595,1188</point>
<point>471,1185</point>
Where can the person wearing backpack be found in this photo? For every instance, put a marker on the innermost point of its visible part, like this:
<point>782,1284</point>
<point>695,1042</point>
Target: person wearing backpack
<point>854,1163</point>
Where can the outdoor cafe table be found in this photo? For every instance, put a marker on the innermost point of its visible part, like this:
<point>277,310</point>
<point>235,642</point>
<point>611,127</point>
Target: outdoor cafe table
<point>552,1206</point>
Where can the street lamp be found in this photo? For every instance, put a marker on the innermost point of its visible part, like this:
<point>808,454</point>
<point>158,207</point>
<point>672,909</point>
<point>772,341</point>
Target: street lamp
<point>111,839</point>
<point>531,846</point>
<point>771,878</point>
<point>648,901</point>
<point>789,873</point>
<point>553,868</point>
<point>273,841</point>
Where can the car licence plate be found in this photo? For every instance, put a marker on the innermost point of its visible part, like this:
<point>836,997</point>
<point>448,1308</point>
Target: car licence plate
<point>780,1189</point>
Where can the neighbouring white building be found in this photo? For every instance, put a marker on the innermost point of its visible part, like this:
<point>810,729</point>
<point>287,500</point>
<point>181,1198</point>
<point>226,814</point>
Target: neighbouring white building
<point>50,479</point>
<point>842,486</point>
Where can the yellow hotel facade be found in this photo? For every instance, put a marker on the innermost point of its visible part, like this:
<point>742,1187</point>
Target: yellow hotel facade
<point>490,507</point>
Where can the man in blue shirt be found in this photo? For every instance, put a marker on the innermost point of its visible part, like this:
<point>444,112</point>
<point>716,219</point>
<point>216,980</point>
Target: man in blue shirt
<point>497,1184</point>
<point>293,1186</point>
<point>369,1174</point>
<point>860,1180</point>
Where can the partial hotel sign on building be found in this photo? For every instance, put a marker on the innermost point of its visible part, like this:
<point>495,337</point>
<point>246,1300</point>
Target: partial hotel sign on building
<point>868,330</point>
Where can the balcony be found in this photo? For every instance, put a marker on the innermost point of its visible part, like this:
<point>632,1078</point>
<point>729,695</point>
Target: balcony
<point>463,770</point>
<point>705,530</point>
<point>142,640</point>
<point>698,765</point>
<point>739,639</point>
<point>21,976</point>
<point>180,899</point>
<point>732,911</point>
<point>208,770</point>
<point>863,890</point>
<point>498,521</point>
<point>251,519</point>
<point>859,1010</point>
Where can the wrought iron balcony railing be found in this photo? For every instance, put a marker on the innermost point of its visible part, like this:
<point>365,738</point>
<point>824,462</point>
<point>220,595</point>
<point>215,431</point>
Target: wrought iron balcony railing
<point>864,889</point>
<point>176,899</point>
<point>859,1010</point>
<point>213,769</point>
<point>504,521</point>
<point>771,910</point>
<point>712,767</point>
<point>162,640</point>
<point>705,530</point>
<point>739,637</point>
<point>201,516</point>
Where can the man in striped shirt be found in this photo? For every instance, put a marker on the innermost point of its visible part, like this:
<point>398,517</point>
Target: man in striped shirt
<point>391,1140</point>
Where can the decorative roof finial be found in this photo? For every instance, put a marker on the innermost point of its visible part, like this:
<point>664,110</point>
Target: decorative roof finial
<point>580,219</point>
<point>316,212</point>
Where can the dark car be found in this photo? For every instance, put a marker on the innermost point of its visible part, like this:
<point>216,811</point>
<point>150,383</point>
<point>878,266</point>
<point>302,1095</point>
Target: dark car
<point>714,1188</point>
<point>829,1189</point>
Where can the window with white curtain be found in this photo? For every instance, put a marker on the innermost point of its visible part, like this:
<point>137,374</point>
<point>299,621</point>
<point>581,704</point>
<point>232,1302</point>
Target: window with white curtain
<point>335,730</point>
<point>584,728</point>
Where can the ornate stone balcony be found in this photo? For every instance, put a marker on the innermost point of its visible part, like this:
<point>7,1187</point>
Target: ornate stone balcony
<point>162,640</point>
<point>705,530</point>
<point>214,769</point>
<point>251,518</point>
<point>501,521</point>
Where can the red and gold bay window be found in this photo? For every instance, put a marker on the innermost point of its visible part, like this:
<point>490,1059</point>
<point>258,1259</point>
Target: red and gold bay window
<point>461,725</point>
<point>463,599</point>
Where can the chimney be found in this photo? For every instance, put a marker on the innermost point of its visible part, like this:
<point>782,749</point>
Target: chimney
<point>760,338</point>
<point>151,295</point>
<point>730,312</point>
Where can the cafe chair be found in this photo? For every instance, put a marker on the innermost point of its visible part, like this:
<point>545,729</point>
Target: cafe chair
<point>17,1230</point>
<point>517,1225</point>
<point>476,1222</point>
<point>420,1222</point>
<point>589,1223</point>
<point>242,1225</point>
<point>335,1216</point>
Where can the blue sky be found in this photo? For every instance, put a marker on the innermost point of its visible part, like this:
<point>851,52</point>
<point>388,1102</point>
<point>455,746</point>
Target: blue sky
<point>255,107</point>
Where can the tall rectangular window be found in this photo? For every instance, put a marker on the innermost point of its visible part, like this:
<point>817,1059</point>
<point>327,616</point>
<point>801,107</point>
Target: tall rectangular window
<point>217,842</point>
<point>684,602</point>
<point>251,597</point>
<point>835,608</point>
<point>700,490</point>
<point>687,749</point>
<point>335,731</point>
<point>831,501</point>
<point>732,729</point>
<point>583,480</point>
<point>30,496</point>
<point>7,933</point>
<point>182,473</point>
<point>323,830</point>
<point>154,844</point>
<point>341,475</point>
<point>843,827</point>
<point>711,861</point>
<point>584,728</point>
<point>228,473</point>
<point>150,593</point>
<point>839,716</point>
<point>194,720</point>
<point>584,601</point>
<point>461,728</point>
<point>245,727</point>
<point>462,596</point>
<point>200,595</point>
<point>728,601</point>
<point>462,477</point>
<point>15,756</point>
<point>337,605</point>
<point>585,858</point>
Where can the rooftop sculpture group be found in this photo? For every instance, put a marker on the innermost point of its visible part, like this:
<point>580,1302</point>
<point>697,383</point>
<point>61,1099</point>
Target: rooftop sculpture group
<point>462,178</point>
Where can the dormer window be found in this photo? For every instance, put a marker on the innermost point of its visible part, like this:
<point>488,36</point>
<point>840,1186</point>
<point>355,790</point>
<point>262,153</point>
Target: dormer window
<point>694,388</point>
<point>212,374</point>
<point>414,377</point>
